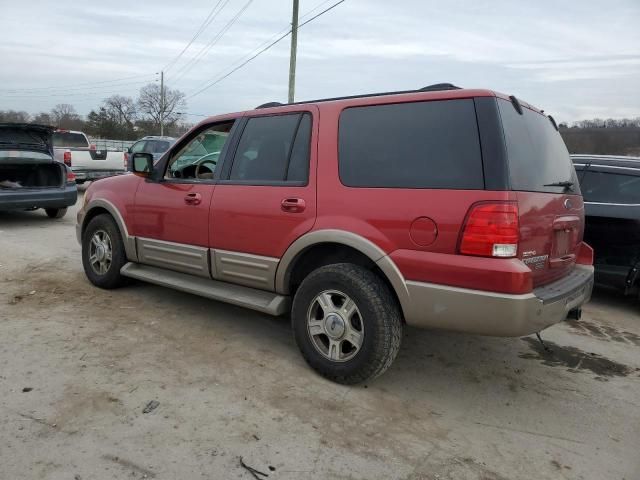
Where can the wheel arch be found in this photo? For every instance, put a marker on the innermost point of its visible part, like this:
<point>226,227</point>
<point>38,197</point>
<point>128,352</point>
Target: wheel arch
<point>364,251</point>
<point>101,206</point>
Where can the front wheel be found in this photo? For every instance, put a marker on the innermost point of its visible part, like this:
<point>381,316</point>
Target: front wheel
<point>103,252</point>
<point>346,323</point>
<point>56,212</point>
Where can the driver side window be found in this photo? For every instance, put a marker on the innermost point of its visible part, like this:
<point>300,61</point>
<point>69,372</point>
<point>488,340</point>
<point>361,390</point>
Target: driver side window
<point>198,158</point>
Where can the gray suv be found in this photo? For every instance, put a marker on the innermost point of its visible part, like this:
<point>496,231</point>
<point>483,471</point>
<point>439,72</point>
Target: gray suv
<point>155,145</point>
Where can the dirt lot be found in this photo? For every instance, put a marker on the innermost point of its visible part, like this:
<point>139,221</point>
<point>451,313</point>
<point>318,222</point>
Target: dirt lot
<point>78,365</point>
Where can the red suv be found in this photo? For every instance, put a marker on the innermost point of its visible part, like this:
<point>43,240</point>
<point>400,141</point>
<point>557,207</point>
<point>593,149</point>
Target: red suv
<point>441,208</point>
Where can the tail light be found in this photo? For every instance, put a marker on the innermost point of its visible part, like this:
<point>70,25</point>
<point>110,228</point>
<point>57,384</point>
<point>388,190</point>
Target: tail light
<point>126,160</point>
<point>71,177</point>
<point>67,158</point>
<point>491,230</point>
<point>92,146</point>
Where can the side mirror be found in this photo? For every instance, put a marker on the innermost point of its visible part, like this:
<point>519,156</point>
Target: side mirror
<point>142,163</point>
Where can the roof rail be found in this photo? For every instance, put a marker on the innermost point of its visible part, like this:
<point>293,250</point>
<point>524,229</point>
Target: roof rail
<point>438,87</point>
<point>431,88</point>
<point>269,104</point>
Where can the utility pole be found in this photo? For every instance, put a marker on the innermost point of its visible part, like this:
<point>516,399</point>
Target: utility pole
<point>294,48</point>
<point>162,103</point>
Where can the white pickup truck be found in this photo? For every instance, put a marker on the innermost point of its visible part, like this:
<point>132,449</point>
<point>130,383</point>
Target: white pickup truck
<point>87,162</point>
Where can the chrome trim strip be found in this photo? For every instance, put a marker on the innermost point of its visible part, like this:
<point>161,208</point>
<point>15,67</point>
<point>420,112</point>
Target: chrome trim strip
<point>614,204</point>
<point>614,166</point>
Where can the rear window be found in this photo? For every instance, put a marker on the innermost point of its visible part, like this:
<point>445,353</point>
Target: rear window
<point>157,146</point>
<point>411,145</point>
<point>536,153</point>
<point>69,140</point>
<point>604,187</point>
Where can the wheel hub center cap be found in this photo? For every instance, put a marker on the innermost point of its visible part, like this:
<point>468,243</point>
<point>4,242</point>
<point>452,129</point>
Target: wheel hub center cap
<point>100,252</point>
<point>334,325</point>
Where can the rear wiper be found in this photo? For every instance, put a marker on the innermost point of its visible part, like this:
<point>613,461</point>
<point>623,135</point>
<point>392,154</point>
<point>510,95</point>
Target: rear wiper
<point>566,184</point>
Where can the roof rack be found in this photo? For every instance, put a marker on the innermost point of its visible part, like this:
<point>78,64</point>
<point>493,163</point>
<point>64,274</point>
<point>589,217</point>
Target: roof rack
<point>436,87</point>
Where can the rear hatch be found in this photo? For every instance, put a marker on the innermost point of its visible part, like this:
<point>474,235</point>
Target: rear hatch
<point>26,137</point>
<point>26,158</point>
<point>551,211</point>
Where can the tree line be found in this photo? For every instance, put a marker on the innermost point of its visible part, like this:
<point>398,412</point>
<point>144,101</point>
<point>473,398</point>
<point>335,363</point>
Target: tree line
<point>599,136</point>
<point>118,117</point>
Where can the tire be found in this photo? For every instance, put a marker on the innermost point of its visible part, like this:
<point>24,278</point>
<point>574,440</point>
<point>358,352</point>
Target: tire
<point>56,212</point>
<point>101,273</point>
<point>377,315</point>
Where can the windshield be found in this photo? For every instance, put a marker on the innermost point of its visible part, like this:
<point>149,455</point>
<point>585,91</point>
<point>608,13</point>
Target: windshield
<point>538,158</point>
<point>70,140</point>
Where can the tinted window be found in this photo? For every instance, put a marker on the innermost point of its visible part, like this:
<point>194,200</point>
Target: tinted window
<point>198,158</point>
<point>411,145</point>
<point>157,146</point>
<point>138,147</point>
<point>267,151</point>
<point>536,153</point>
<point>70,140</point>
<point>604,187</point>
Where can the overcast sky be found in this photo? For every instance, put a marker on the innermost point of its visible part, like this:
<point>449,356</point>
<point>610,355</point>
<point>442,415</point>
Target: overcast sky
<point>573,59</point>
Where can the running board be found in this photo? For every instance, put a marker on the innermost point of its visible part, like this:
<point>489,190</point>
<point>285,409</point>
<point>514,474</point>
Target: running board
<point>266,302</point>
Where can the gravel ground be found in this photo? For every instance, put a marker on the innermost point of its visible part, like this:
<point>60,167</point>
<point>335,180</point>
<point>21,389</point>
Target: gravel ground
<point>78,366</point>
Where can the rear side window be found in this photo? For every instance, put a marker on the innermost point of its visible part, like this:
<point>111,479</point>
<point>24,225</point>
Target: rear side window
<point>157,146</point>
<point>273,149</point>
<point>69,140</point>
<point>411,145</point>
<point>537,155</point>
<point>605,187</point>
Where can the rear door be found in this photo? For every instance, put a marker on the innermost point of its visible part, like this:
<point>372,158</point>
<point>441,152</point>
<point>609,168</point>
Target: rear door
<point>266,197</point>
<point>549,200</point>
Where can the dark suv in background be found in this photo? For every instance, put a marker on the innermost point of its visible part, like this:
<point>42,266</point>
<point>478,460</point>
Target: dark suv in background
<point>611,189</point>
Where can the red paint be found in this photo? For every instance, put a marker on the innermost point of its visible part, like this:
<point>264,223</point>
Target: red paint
<point>423,231</point>
<point>420,229</point>
<point>173,212</point>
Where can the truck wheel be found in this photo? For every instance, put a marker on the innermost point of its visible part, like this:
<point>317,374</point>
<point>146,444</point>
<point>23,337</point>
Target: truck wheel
<point>346,323</point>
<point>103,252</point>
<point>56,212</point>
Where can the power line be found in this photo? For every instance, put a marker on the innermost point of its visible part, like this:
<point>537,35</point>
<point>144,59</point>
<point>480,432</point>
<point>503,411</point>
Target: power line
<point>207,21</point>
<point>279,39</point>
<point>77,94</point>
<point>66,90</point>
<point>77,84</point>
<point>205,50</point>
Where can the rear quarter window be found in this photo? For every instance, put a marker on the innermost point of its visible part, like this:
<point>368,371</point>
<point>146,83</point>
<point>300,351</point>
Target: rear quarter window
<point>537,155</point>
<point>411,145</point>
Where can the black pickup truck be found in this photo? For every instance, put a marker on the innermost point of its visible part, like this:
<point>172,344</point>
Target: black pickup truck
<point>30,177</point>
<point>611,189</point>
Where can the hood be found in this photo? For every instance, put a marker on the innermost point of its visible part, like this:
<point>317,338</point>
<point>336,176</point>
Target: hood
<point>26,136</point>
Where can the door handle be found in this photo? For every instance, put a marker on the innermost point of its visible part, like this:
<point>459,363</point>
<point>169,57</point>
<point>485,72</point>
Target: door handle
<point>193,199</point>
<point>293,205</point>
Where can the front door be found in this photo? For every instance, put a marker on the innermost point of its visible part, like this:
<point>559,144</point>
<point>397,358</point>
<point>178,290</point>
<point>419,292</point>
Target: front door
<point>265,199</point>
<point>171,213</point>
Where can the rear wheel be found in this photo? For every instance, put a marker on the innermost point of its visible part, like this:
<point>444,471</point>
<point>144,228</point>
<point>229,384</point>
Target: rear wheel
<point>103,252</point>
<point>346,323</point>
<point>56,212</point>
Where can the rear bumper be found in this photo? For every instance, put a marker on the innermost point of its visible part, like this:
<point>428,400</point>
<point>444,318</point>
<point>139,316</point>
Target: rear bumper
<point>499,314</point>
<point>89,175</point>
<point>22,199</point>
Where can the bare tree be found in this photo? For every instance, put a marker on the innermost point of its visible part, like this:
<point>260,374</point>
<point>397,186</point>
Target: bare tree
<point>150,104</point>
<point>121,109</point>
<point>43,118</point>
<point>64,115</point>
<point>14,116</point>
